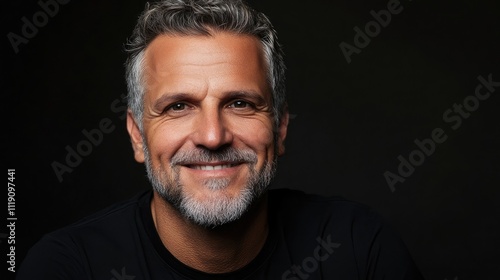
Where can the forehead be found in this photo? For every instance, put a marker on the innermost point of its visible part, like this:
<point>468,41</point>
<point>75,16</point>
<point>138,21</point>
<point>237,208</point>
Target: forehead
<point>169,58</point>
<point>194,48</point>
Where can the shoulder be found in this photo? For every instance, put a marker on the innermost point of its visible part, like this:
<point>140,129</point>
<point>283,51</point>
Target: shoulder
<point>104,222</point>
<point>357,237</point>
<point>302,216</point>
<point>66,252</point>
<point>298,204</point>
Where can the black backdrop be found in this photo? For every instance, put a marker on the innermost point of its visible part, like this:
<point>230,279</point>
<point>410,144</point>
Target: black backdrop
<point>351,121</point>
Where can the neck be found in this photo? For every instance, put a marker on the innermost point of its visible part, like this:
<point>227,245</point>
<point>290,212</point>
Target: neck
<point>221,249</point>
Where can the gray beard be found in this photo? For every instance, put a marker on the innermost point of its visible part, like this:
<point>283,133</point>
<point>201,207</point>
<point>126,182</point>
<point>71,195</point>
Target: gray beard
<point>219,208</point>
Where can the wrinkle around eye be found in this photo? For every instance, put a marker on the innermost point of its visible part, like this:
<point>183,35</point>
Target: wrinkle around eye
<point>177,109</point>
<point>242,107</point>
<point>246,103</point>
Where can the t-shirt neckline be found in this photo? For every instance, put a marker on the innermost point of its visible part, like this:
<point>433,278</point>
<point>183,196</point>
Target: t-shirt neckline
<point>169,260</point>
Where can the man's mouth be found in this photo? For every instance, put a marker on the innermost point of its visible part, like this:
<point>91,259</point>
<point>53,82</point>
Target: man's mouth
<point>212,166</point>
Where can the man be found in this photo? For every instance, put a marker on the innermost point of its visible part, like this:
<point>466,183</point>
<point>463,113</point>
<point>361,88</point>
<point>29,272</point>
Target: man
<point>207,116</point>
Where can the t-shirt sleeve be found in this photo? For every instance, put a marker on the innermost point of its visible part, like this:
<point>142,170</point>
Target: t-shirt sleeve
<point>54,257</point>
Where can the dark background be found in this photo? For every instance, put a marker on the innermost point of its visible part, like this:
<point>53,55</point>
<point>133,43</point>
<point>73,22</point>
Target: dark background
<point>350,122</point>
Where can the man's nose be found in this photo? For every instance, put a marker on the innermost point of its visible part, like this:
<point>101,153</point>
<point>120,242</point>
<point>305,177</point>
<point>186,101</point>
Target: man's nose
<point>212,131</point>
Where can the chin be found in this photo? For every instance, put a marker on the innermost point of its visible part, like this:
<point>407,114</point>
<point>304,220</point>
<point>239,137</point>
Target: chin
<point>216,208</point>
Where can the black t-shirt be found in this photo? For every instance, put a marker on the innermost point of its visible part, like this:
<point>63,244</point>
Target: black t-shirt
<point>310,237</point>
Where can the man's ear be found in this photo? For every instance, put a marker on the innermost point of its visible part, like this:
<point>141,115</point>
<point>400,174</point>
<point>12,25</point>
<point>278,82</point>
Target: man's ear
<point>135,137</point>
<point>282,130</point>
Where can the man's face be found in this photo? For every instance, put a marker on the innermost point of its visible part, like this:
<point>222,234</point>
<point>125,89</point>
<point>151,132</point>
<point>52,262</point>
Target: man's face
<point>208,139</point>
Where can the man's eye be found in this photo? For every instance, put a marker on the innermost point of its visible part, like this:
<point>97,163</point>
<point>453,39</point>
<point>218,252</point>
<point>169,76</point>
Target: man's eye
<point>240,104</point>
<point>177,107</point>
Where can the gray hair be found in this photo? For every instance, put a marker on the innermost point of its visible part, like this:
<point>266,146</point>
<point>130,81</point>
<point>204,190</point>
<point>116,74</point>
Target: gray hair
<point>200,17</point>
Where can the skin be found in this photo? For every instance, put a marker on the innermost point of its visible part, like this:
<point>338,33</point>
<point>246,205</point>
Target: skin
<point>210,92</point>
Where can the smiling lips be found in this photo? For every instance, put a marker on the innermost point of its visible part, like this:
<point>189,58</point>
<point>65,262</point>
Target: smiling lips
<point>212,166</point>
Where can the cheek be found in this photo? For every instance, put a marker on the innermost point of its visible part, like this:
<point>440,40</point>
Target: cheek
<point>258,136</point>
<point>164,141</point>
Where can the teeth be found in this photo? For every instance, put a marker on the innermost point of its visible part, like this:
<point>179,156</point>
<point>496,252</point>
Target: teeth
<point>211,167</point>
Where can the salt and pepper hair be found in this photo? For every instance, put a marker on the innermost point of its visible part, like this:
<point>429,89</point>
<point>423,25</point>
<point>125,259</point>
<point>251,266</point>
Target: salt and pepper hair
<point>201,17</point>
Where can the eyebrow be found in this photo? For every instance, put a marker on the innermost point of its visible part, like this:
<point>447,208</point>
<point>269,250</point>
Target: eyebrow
<point>258,98</point>
<point>168,98</point>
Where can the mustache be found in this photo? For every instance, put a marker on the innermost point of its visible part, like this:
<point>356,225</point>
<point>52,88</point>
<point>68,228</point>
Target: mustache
<point>228,154</point>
